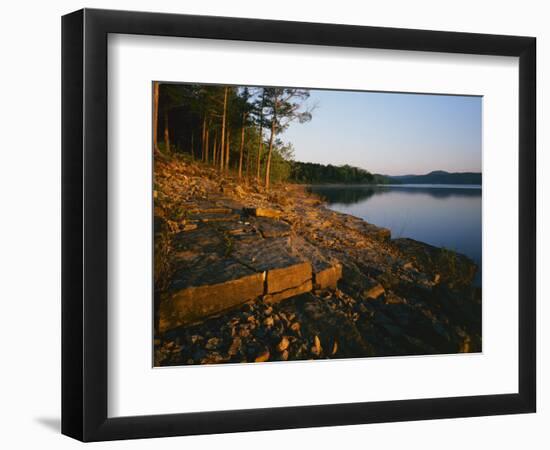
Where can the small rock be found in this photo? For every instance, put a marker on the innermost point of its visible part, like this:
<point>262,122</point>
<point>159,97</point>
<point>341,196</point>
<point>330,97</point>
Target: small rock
<point>235,346</point>
<point>244,332</point>
<point>212,343</point>
<point>374,292</point>
<point>240,191</point>
<point>283,345</point>
<point>316,349</point>
<point>213,358</point>
<point>263,212</point>
<point>263,357</point>
<point>195,338</point>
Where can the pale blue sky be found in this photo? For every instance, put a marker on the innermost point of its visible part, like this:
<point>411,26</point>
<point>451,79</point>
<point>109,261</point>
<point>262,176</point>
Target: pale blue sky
<point>391,133</point>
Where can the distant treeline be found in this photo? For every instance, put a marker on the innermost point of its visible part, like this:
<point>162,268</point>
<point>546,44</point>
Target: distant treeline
<point>314,173</point>
<point>438,177</point>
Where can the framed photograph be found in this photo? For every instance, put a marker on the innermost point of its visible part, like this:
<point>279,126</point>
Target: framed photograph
<point>273,224</point>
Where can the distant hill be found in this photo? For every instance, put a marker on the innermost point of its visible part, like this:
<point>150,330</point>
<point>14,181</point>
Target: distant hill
<point>438,177</point>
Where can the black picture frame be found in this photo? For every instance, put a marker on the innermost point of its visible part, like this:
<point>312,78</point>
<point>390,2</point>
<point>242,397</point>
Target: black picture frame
<point>84,224</point>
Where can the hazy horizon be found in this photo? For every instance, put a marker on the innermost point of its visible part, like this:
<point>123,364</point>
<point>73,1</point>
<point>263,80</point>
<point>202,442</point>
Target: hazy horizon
<point>390,133</point>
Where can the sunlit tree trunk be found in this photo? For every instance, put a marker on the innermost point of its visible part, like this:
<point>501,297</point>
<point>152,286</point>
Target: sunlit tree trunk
<point>155,115</point>
<point>166,133</point>
<point>241,150</point>
<point>227,150</point>
<point>206,145</point>
<point>203,137</point>
<point>247,163</point>
<point>214,152</point>
<point>223,127</point>
<point>268,164</point>
<point>260,143</point>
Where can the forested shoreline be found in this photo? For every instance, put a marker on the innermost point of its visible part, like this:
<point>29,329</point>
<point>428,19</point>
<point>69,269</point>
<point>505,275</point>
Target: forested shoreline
<point>250,265</point>
<point>315,173</point>
<point>229,127</point>
<point>238,128</point>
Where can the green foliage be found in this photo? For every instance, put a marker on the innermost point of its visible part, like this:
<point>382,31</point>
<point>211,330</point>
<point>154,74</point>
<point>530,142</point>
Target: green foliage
<point>314,173</point>
<point>193,115</point>
<point>281,162</point>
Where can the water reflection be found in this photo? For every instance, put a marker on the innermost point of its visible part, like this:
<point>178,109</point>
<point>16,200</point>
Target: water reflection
<point>442,215</point>
<point>352,194</point>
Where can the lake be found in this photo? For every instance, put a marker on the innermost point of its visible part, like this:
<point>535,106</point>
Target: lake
<point>442,215</point>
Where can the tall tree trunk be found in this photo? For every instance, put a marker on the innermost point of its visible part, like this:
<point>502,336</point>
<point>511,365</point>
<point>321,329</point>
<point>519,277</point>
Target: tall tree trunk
<point>214,152</point>
<point>227,150</point>
<point>203,137</point>
<point>241,150</point>
<point>155,115</point>
<point>166,133</point>
<point>206,145</point>
<point>268,164</point>
<point>260,143</point>
<point>247,163</point>
<point>223,127</point>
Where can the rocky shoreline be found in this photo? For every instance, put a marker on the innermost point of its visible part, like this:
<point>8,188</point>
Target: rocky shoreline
<point>275,276</point>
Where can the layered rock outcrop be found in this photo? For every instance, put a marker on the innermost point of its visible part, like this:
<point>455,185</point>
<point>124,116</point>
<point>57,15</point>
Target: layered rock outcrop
<point>243,275</point>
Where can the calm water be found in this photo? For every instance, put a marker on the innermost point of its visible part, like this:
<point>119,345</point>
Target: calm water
<point>442,215</point>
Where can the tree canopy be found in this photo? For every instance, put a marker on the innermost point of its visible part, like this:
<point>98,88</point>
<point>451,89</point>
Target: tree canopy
<point>240,128</point>
<point>229,126</point>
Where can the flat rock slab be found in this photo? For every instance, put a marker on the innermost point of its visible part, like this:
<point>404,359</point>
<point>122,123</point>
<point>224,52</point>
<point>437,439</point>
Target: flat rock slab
<point>263,212</point>
<point>213,217</point>
<point>368,229</point>
<point>228,260</point>
<point>202,270</point>
<point>307,286</point>
<point>193,304</point>
<point>206,206</point>
<point>237,229</point>
<point>374,292</point>
<point>230,203</point>
<point>379,233</point>
<point>204,239</point>
<point>211,210</point>
<point>265,254</point>
<point>326,271</point>
<point>328,278</point>
<point>289,277</point>
<point>270,228</point>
